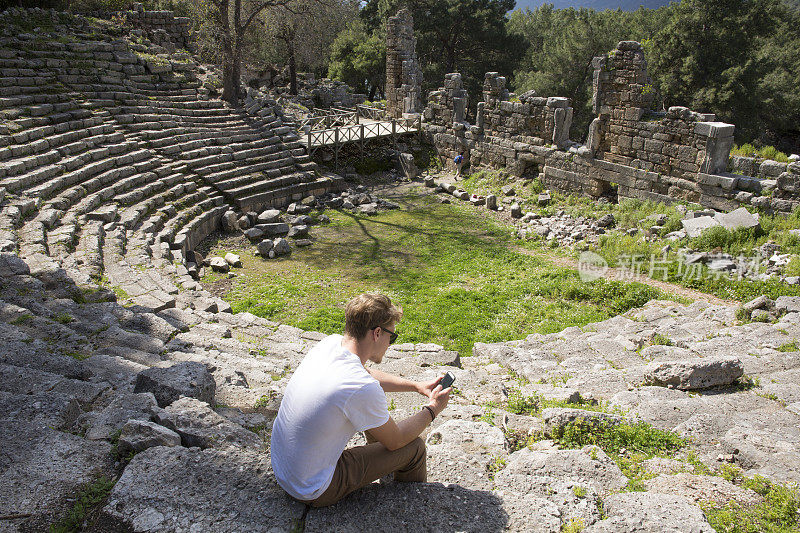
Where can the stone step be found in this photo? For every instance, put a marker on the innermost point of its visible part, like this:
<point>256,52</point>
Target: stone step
<point>149,198</point>
<point>229,169</point>
<point>89,251</point>
<point>16,90</point>
<point>188,212</point>
<point>115,155</point>
<point>51,149</point>
<point>62,240</point>
<point>282,196</point>
<point>276,169</point>
<point>35,128</point>
<point>198,228</point>
<point>40,79</point>
<point>59,99</point>
<point>258,185</point>
<point>176,111</point>
<point>223,121</point>
<point>116,182</point>
<point>212,137</point>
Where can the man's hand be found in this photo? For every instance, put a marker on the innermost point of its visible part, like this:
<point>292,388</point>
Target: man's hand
<point>426,389</point>
<point>439,398</point>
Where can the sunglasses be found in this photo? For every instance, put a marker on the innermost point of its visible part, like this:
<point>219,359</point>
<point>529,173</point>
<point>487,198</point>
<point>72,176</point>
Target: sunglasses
<point>392,335</point>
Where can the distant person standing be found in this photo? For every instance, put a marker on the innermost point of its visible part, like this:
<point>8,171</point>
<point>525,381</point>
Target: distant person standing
<point>459,162</point>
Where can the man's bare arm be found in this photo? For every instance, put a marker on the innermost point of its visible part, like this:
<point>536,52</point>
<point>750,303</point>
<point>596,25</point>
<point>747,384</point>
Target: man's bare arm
<point>395,435</point>
<point>390,383</point>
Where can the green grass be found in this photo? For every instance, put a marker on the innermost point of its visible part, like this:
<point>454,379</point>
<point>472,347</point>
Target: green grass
<point>788,347</point>
<point>661,340</point>
<point>575,525</point>
<point>63,318</point>
<point>635,438</point>
<point>22,319</point>
<point>765,152</point>
<point>618,249</point>
<point>80,356</point>
<point>452,271</point>
<point>778,513</point>
<point>533,405</point>
<point>88,500</point>
<point>495,465</point>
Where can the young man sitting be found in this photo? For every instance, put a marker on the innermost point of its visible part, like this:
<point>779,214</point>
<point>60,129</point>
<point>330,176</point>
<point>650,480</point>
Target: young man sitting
<point>332,395</point>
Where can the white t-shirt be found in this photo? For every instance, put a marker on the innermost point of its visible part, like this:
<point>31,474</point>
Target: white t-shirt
<point>330,397</point>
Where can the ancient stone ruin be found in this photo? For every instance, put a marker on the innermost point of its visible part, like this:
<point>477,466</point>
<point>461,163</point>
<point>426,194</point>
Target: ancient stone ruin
<point>118,370</point>
<point>403,75</point>
<point>677,155</point>
<point>160,27</point>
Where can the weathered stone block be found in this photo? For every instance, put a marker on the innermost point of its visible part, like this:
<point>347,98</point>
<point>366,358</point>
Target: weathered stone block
<point>190,379</point>
<point>696,374</point>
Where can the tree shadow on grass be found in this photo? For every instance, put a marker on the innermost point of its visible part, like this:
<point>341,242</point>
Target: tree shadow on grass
<point>383,245</point>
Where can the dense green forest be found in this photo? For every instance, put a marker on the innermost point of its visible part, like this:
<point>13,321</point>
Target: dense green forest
<point>738,59</point>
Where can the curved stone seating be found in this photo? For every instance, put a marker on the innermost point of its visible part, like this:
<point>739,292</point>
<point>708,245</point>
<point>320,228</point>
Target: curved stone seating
<point>108,158</point>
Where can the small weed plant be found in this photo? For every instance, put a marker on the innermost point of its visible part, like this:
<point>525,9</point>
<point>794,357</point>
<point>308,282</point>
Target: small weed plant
<point>533,405</point>
<point>765,152</point>
<point>87,501</point>
<point>637,437</point>
<point>495,465</point>
<point>788,347</point>
<point>22,319</point>
<point>778,513</point>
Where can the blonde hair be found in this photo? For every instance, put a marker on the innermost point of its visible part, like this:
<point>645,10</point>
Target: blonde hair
<point>368,311</point>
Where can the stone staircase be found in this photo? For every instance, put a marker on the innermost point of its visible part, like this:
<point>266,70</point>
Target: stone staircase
<point>103,144</point>
<point>71,368</point>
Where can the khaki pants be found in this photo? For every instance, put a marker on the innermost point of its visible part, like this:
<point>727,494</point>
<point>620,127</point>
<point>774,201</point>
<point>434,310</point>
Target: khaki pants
<point>360,466</point>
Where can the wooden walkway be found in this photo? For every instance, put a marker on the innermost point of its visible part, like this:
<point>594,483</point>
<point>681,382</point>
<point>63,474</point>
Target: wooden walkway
<point>350,127</point>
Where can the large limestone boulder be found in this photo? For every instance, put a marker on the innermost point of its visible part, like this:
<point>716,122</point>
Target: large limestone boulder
<point>697,374</point>
<point>648,512</point>
<point>269,216</point>
<point>123,407</point>
<point>589,466</point>
<point>198,425</point>
<point>138,435</point>
<point>460,451</point>
<point>178,489</point>
<point>40,469</point>
<point>576,501</point>
<point>190,379</point>
<point>703,488</point>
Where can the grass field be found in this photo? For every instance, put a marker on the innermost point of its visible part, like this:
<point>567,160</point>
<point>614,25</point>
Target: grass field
<point>618,249</point>
<point>449,268</point>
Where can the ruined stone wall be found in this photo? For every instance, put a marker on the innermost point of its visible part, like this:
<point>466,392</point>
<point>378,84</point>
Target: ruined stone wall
<point>403,74</point>
<point>669,156</point>
<point>160,27</point>
<point>528,115</point>
<point>512,134</point>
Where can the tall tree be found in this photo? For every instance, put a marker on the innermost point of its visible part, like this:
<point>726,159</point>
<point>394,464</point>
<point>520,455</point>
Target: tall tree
<point>359,59</point>
<point>467,36</point>
<point>707,57</point>
<point>305,30</point>
<point>562,44</point>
